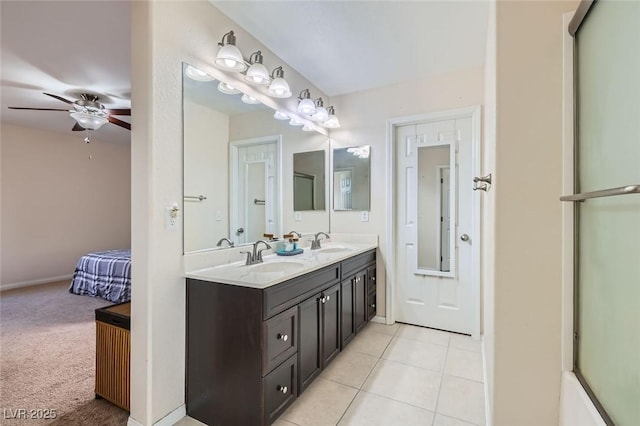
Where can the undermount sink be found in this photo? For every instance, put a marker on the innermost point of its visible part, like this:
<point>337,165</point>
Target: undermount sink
<point>277,266</point>
<point>334,250</point>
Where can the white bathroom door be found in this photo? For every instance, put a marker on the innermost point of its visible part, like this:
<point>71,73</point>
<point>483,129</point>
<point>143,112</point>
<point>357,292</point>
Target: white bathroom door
<point>434,285</point>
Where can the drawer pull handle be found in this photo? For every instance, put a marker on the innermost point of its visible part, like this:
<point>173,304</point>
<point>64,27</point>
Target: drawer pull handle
<point>373,278</point>
<point>283,389</point>
<point>373,305</point>
<point>283,337</point>
<point>328,298</point>
<point>323,299</point>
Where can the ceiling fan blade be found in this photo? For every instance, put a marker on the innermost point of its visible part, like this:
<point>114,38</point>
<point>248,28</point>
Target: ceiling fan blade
<point>40,109</point>
<point>120,123</point>
<point>77,128</point>
<point>125,111</point>
<point>58,98</point>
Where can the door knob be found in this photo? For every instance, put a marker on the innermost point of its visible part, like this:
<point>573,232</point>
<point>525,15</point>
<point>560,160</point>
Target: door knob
<point>464,237</point>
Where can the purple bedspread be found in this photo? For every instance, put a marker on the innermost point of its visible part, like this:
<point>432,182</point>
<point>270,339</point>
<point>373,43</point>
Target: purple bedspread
<point>105,274</point>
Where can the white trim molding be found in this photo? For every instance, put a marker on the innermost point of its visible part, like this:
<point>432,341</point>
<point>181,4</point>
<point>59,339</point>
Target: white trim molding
<point>169,420</point>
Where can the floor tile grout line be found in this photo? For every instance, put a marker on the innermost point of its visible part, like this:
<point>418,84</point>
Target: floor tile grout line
<point>366,378</point>
<point>446,360</point>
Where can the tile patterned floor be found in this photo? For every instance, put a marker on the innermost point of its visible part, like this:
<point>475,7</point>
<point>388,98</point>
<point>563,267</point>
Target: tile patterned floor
<point>398,375</point>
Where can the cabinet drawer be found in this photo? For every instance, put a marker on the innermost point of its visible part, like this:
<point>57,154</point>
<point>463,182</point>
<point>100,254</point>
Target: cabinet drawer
<point>280,339</point>
<point>356,263</point>
<point>287,294</point>
<point>280,389</point>
<point>371,306</point>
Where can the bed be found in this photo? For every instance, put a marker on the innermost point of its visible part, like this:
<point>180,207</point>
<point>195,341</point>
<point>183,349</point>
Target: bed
<point>104,274</point>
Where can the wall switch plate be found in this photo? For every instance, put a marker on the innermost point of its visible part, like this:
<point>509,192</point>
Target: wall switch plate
<point>218,215</point>
<point>298,216</point>
<point>364,216</point>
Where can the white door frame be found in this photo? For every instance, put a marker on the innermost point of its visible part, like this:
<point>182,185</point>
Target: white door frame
<point>233,181</point>
<point>390,260</point>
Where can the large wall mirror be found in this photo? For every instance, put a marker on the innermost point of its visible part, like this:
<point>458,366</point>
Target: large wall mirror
<point>309,181</point>
<point>351,178</point>
<point>436,209</point>
<point>214,124</point>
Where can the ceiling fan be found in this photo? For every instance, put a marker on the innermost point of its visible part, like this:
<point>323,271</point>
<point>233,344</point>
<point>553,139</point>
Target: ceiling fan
<point>88,112</point>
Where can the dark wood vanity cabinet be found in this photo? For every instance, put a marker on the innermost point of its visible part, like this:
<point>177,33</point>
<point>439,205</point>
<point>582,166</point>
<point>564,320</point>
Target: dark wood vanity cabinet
<point>251,352</point>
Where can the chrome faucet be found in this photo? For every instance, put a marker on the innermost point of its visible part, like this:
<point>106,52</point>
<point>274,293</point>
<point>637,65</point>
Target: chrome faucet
<point>221,240</point>
<point>255,256</point>
<point>315,243</point>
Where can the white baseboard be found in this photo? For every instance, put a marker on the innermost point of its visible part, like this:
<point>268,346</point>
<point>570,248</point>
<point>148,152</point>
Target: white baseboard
<point>379,319</point>
<point>169,420</point>
<point>35,282</point>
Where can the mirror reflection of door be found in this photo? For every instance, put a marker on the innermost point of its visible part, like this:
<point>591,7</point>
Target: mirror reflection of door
<point>303,192</point>
<point>433,208</point>
<point>254,189</point>
<point>342,190</point>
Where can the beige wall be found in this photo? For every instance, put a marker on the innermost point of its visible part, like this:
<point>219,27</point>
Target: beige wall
<point>57,204</point>
<point>364,116</point>
<point>528,176</point>
<point>164,34</point>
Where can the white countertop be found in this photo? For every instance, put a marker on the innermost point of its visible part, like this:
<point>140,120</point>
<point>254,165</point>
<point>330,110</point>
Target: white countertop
<point>276,269</point>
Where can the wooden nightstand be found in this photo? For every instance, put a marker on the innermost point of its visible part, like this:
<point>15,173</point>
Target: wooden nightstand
<point>113,349</point>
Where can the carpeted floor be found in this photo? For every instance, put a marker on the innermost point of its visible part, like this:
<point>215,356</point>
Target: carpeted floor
<point>47,357</point>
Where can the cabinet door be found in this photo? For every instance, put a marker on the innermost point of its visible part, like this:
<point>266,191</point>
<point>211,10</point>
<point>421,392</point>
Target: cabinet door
<point>330,324</point>
<point>348,329</point>
<point>309,354</point>
<point>360,298</point>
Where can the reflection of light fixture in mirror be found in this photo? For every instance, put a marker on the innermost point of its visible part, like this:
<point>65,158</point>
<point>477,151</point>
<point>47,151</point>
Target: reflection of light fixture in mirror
<point>332,122</point>
<point>227,88</point>
<point>321,112</point>
<point>359,151</point>
<point>305,104</point>
<point>279,87</point>
<point>195,74</point>
<point>279,115</point>
<point>295,122</point>
<point>229,57</point>
<point>257,73</point>
<point>308,128</point>
<point>249,99</point>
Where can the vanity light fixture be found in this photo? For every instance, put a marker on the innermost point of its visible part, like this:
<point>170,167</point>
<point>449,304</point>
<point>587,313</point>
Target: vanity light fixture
<point>195,74</point>
<point>360,151</point>
<point>279,88</point>
<point>257,73</point>
<point>229,57</point>
<point>332,122</point>
<point>305,104</point>
<point>321,112</point>
<point>279,115</point>
<point>249,99</point>
<point>227,88</point>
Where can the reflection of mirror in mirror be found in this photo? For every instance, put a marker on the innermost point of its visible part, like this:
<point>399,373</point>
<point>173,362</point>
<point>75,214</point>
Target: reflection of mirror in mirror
<point>308,181</point>
<point>435,250</point>
<point>351,178</point>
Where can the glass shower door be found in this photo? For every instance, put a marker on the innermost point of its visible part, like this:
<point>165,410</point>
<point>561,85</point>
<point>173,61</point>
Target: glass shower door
<point>607,291</point>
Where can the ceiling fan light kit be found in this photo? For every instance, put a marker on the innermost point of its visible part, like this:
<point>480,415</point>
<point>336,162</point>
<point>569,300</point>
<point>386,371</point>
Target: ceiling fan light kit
<point>229,58</point>
<point>89,113</point>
